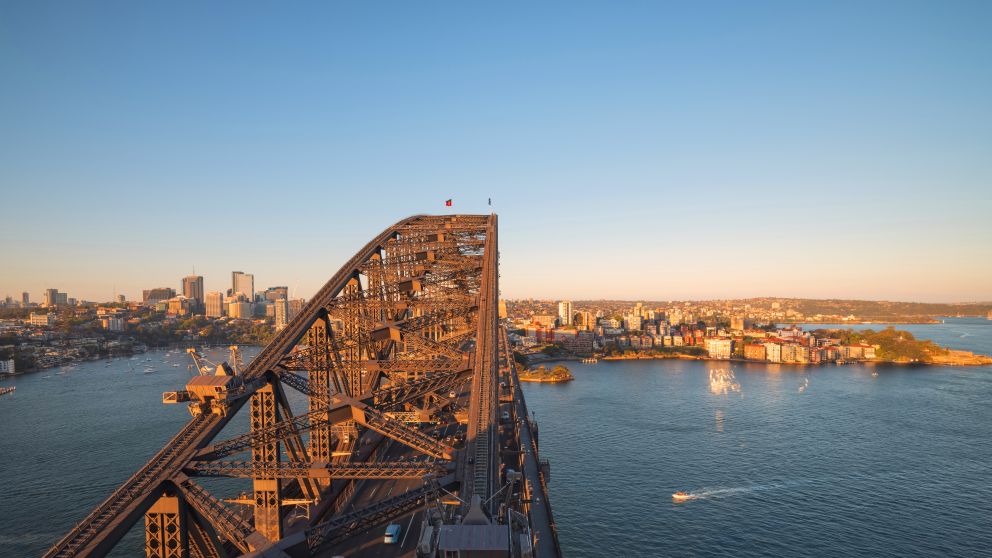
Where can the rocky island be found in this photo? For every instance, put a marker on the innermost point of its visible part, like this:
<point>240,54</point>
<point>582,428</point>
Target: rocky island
<point>557,374</point>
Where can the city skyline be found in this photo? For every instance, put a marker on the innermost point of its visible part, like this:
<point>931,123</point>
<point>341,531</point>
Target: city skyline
<point>636,152</point>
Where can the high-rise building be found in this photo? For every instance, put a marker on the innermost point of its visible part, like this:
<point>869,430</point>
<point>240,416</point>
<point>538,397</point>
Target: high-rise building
<point>240,310</point>
<point>588,321</point>
<point>151,296</point>
<point>282,313</point>
<point>121,299</point>
<point>51,297</point>
<point>215,305</point>
<point>277,293</point>
<point>243,283</point>
<point>632,322</point>
<point>61,298</point>
<point>565,312</point>
<point>295,307</point>
<point>193,290</point>
<point>25,298</point>
<point>180,306</point>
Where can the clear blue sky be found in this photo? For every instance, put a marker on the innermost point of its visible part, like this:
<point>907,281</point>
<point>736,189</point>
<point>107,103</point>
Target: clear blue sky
<point>653,150</point>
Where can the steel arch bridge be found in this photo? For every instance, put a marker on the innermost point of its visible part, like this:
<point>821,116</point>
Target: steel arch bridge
<point>408,381</point>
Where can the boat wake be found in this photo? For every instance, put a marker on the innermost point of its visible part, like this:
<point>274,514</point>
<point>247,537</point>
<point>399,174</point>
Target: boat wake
<point>717,493</point>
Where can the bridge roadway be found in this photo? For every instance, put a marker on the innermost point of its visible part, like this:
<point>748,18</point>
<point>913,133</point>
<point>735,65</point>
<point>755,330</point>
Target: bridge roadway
<point>98,532</point>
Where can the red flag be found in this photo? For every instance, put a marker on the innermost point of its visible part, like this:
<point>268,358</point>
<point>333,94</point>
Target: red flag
<point>447,203</point>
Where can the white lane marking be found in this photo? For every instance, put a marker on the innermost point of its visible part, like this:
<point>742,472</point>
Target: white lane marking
<point>403,542</point>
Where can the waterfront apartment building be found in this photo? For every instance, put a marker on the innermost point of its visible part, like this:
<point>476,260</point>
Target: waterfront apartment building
<point>754,351</point>
<point>773,352</point>
<point>718,347</point>
<point>44,320</point>
<point>193,290</point>
<point>214,304</point>
<point>794,353</point>
<point>243,283</point>
<point>632,322</point>
<point>7,366</point>
<point>565,312</point>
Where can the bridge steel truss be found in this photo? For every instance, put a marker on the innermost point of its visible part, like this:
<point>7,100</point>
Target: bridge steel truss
<point>391,332</point>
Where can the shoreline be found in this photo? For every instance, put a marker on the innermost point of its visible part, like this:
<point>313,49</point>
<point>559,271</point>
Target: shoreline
<point>746,361</point>
<point>546,381</point>
<point>170,347</point>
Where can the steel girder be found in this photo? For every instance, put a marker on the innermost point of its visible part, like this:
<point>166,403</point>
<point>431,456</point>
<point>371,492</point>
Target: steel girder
<point>315,470</point>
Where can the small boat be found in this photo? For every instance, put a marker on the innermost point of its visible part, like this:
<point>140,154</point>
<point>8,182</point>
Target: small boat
<point>681,496</point>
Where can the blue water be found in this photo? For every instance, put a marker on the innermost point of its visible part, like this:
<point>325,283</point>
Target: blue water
<point>819,461</point>
<point>70,436</point>
<point>854,465</point>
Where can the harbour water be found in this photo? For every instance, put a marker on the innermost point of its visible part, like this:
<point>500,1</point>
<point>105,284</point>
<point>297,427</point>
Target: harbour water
<point>814,461</point>
<point>826,461</point>
<point>71,435</point>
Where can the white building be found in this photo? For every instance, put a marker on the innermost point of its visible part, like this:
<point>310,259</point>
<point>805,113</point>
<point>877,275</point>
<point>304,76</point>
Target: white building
<point>7,366</point>
<point>565,313</point>
<point>42,319</point>
<point>718,347</point>
<point>632,322</point>
<point>282,313</point>
<point>773,352</point>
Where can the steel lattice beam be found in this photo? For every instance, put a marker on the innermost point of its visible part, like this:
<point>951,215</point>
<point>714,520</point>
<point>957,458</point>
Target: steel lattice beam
<point>315,470</point>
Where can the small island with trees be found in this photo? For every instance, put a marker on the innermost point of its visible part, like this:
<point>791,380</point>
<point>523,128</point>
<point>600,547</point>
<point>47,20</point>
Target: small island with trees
<point>555,375</point>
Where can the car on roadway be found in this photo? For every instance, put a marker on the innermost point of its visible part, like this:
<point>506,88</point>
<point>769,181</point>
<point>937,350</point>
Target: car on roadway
<point>392,533</point>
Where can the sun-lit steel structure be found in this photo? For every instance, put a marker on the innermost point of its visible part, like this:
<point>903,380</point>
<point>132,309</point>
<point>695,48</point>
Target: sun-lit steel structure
<point>409,384</point>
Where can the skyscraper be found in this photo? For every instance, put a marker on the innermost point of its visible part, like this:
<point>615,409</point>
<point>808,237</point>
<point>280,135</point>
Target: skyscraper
<point>151,296</point>
<point>215,305</point>
<point>277,293</point>
<point>565,312</point>
<point>243,283</point>
<point>193,290</point>
<point>51,297</point>
<point>25,298</point>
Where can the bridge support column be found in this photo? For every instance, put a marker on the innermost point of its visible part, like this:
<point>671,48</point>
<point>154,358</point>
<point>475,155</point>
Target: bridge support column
<point>319,372</point>
<point>165,529</point>
<point>268,493</point>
